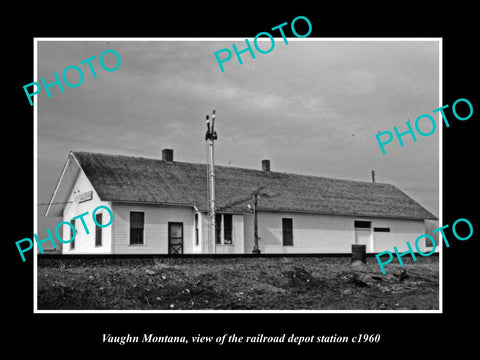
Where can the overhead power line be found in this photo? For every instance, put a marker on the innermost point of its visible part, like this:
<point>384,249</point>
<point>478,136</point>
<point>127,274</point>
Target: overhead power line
<point>122,145</point>
<point>55,203</point>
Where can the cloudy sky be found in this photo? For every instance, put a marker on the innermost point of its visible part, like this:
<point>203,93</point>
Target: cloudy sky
<point>312,107</point>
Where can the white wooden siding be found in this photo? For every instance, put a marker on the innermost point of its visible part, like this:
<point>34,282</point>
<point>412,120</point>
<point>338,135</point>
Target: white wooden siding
<point>316,233</point>
<point>155,228</point>
<point>237,246</point>
<point>401,231</point>
<point>248,233</point>
<point>85,243</point>
<point>311,233</point>
<point>238,233</point>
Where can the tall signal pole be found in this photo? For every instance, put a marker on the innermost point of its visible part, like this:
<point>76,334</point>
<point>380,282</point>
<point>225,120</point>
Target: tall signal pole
<point>211,136</point>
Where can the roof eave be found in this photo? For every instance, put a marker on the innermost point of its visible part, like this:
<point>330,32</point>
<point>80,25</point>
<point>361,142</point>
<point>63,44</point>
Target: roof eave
<point>59,182</point>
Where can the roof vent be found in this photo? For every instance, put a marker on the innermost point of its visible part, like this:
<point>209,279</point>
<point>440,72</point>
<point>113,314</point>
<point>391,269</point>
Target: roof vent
<point>167,155</point>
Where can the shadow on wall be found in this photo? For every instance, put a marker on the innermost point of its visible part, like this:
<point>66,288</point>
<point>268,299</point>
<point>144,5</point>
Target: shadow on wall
<point>431,225</point>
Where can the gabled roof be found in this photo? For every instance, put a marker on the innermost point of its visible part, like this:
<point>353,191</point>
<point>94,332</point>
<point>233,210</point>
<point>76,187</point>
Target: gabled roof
<point>135,179</point>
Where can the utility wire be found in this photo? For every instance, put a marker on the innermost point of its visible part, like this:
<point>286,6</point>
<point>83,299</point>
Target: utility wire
<point>56,132</point>
<point>56,203</point>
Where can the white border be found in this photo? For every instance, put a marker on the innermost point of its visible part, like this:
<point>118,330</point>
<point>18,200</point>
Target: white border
<point>35,193</point>
<point>35,178</point>
<point>440,173</point>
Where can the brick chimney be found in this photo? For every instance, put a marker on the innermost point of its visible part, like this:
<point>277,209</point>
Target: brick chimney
<point>167,155</point>
<point>265,165</point>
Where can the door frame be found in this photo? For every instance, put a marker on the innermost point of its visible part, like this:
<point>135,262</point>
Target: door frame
<point>170,248</point>
<point>369,244</point>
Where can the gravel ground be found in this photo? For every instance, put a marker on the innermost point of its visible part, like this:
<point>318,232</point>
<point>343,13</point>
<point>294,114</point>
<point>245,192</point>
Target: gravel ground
<point>279,283</point>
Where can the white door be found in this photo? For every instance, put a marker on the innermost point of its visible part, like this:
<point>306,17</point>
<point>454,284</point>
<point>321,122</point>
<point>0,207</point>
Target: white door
<point>363,234</point>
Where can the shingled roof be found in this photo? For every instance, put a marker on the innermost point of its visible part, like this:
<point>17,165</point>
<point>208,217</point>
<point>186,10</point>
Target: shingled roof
<point>135,179</point>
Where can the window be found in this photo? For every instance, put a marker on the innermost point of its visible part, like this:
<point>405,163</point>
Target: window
<point>381,229</point>
<point>72,244</point>
<point>196,230</point>
<point>218,228</point>
<point>98,230</point>
<point>137,221</point>
<point>223,229</point>
<point>362,224</point>
<point>287,231</point>
<point>227,229</point>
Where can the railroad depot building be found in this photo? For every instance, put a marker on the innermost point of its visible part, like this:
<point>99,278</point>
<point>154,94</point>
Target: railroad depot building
<point>160,206</point>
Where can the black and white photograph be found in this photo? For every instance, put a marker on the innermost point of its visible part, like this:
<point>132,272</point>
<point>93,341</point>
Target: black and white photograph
<point>229,181</point>
<point>275,156</point>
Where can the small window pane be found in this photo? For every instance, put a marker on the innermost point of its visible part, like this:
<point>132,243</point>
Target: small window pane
<point>136,236</point>
<point>176,230</point>
<point>137,219</point>
<point>362,224</point>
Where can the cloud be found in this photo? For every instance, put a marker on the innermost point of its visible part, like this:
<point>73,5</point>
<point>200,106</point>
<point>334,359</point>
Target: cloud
<point>359,82</point>
<point>310,106</point>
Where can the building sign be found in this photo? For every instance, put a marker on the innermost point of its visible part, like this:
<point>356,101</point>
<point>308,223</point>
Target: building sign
<point>84,197</point>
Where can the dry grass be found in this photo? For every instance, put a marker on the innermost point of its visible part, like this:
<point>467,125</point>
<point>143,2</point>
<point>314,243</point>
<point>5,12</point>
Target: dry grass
<point>280,283</point>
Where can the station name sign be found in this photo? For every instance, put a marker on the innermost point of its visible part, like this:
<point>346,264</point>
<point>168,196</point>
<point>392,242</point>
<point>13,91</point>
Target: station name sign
<point>84,197</point>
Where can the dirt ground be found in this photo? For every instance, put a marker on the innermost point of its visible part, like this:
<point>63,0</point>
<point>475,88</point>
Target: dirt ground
<point>279,283</point>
